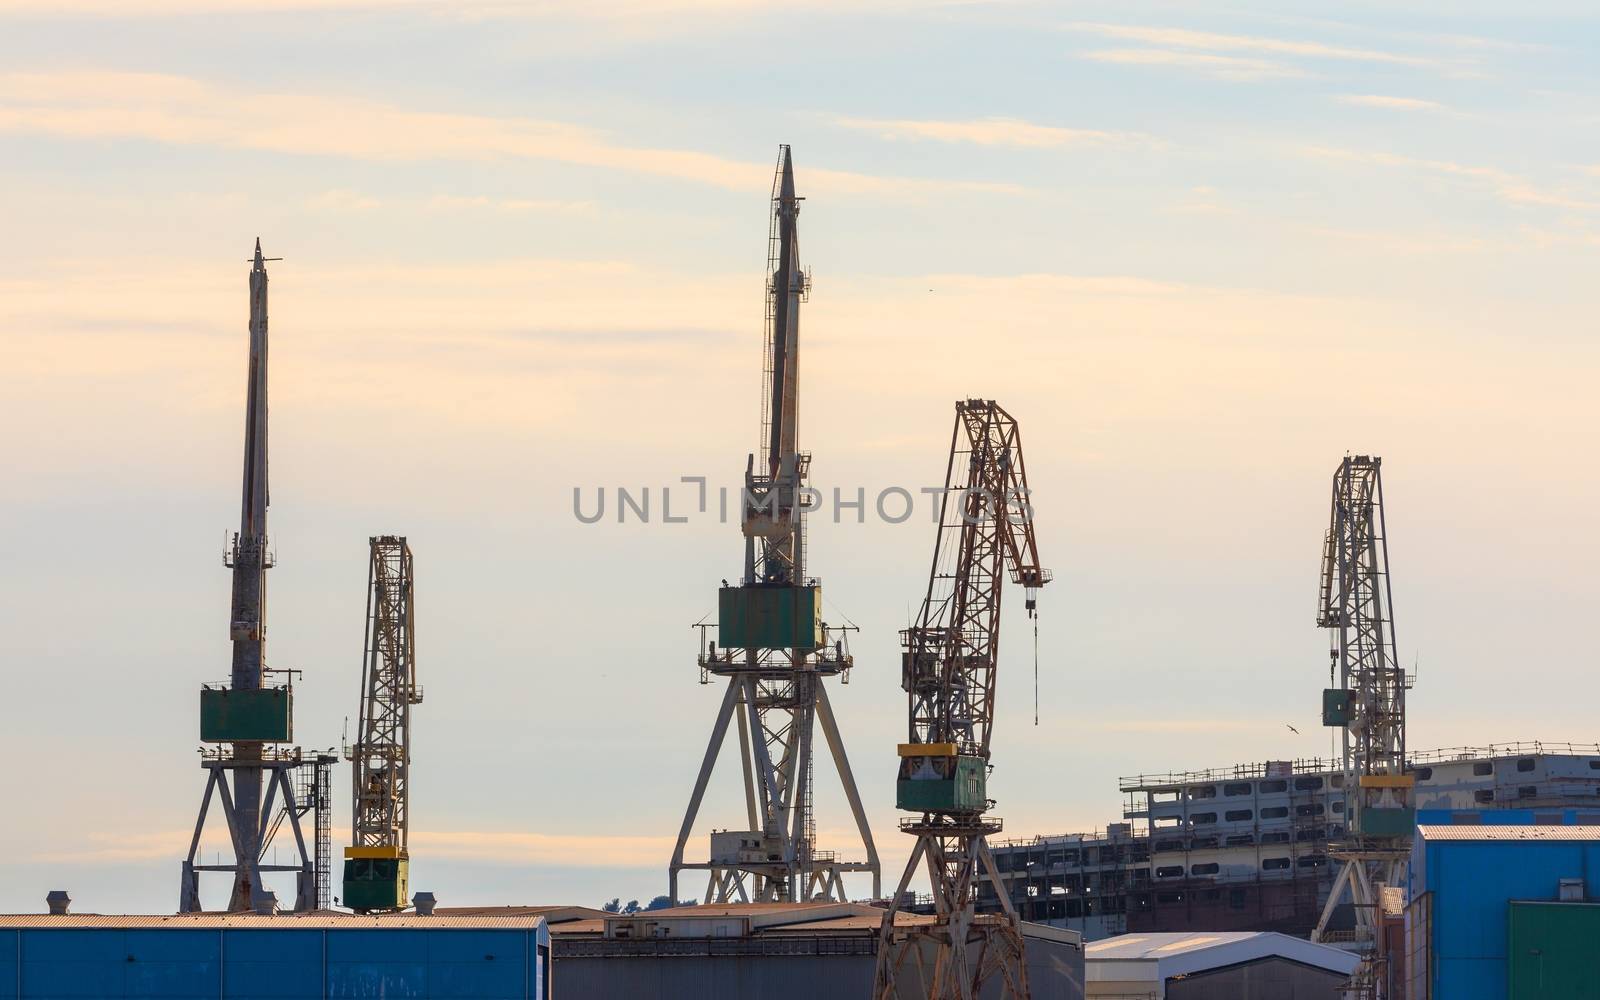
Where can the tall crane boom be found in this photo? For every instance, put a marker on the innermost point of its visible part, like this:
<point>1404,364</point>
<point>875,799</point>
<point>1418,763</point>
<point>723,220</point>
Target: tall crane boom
<point>949,669</point>
<point>247,720</point>
<point>1368,704</point>
<point>772,645</point>
<point>377,862</point>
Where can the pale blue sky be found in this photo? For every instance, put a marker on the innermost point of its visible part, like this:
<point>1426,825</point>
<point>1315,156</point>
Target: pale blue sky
<point>1200,251</point>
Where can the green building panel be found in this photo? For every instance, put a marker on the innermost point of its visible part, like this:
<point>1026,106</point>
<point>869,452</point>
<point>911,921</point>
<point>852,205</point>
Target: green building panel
<point>966,791</point>
<point>1553,952</point>
<point>228,716</point>
<point>759,617</point>
<point>1391,822</point>
<point>1335,707</point>
<point>375,883</point>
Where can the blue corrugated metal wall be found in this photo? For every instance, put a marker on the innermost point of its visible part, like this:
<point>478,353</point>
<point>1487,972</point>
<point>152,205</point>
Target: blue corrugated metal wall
<point>244,964</point>
<point>1473,883</point>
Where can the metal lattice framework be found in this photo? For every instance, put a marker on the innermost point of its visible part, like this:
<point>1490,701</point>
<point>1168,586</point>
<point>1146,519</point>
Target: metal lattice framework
<point>382,752</point>
<point>1356,606</point>
<point>777,694</point>
<point>950,667</point>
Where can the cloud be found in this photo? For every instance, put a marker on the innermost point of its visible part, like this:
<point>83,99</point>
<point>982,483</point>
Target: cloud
<point>1405,243</point>
<point>983,132</point>
<point>184,111</point>
<point>340,200</point>
<point>1187,726</point>
<point>1397,103</point>
<point>1508,187</point>
<point>1183,38</point>
<point>515,846</point>
<point>453,202</point>
<point>1221,67</point>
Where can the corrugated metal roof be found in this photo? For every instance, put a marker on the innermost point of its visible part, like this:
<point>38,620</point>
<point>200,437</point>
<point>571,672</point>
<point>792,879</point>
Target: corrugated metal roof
<point>320,920</point>
<point>1529,832</point>
<point>552,914</point>
<point>1157,957</point>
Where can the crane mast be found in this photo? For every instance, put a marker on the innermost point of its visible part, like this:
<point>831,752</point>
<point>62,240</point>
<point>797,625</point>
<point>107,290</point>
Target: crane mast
<point>1368,704</point>
<point>377,862</point>
<point>772,645</point>
<point>949,668</point>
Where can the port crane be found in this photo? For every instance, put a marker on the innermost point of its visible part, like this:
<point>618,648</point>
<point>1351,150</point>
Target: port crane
<point>377,862</point>
<point>1368,703</point>
<point>771,645</point>
<point>247,720</point>
<point>948,670</point>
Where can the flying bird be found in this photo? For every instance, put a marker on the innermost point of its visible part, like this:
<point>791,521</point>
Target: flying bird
<point>1293,729</point>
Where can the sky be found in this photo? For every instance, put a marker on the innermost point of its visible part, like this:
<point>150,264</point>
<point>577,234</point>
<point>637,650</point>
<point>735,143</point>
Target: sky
<point>1201,251</point>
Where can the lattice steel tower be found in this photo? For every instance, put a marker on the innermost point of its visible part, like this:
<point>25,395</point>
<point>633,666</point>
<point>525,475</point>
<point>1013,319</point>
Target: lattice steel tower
<point>772,645</point>
<point>377,862</point>
<point>949,668</point>
<point>247,720</point>
<point>1369,703</point>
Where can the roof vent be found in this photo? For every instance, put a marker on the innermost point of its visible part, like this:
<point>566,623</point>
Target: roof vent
<point>59,902</point>
<point>266,902</point>
<point>423,901</point>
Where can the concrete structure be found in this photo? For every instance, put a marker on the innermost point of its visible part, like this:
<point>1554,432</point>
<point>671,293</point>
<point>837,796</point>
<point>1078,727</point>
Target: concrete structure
<point>775,951</point>
<point>1222,966</point>
<point>1503,911</point>
<point>246,956</point>
<point>1246,847</point>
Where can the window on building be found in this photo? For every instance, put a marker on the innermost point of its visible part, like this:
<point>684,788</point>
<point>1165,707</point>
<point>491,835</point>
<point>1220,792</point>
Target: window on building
<point>1424,773</point>
<point>1208,868</point>
<point>1275,864</point>
<point>1169,871</point>
<point>1201,819</point>
<point>1204,843</point>
<point>1528,792</point>
<point>1170,897</point>
<point>1525,764</point>
<point>1337,805</point>
<point>1236,899</point>
<point>1594,765</point>
<point>1238,815</point>
<point>1311,833</point>
<point>1272,787</point>
<point>1238,788</point>
<point>1203,792</point>
<point>1483,795</point>
<point>1278,837</point>
<point>1483,767</point>
<point>1274,812</point>
<point>1309,809</point>
<point>1242,840</point>
<point>1162,846</point>
<point>1308,784</point>
<point>1313,861</point>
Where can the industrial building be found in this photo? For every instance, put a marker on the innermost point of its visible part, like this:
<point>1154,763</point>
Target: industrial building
<point>1223,966</point>
<point>246,956</point>
<point>1503,912</point>
<point>774,951</point>
<point>1246,847</point>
